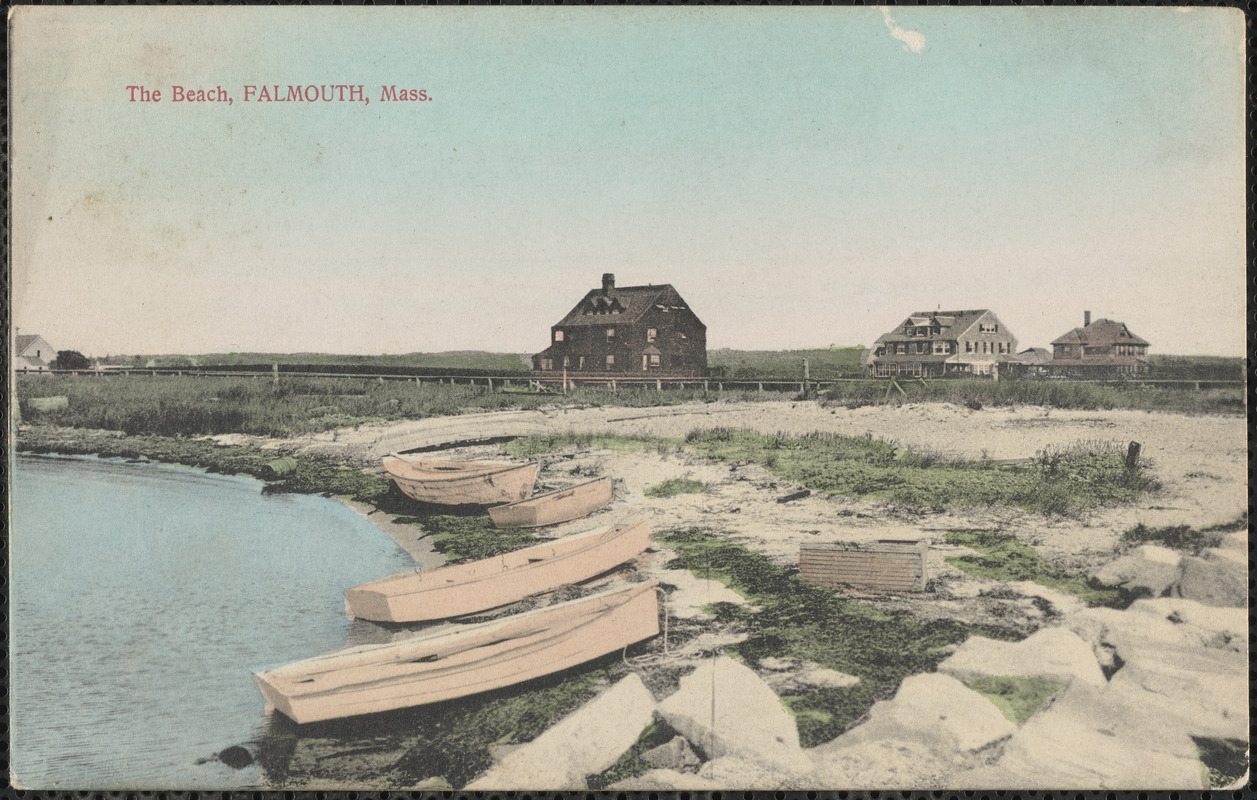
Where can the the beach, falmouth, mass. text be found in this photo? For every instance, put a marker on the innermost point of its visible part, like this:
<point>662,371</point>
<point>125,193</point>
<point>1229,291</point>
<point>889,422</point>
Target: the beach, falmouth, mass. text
<point>277,93</point>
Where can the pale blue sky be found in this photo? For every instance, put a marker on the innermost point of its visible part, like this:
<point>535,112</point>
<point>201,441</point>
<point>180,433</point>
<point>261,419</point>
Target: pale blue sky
<point>802,176</point>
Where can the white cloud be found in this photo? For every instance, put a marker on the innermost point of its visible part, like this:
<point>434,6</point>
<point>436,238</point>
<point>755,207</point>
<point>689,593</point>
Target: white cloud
<point>912,40</point>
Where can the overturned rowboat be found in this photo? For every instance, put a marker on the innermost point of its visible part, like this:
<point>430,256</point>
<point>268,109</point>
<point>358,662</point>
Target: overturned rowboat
<point>482,483</point>
<point>555,507</point>
<point>468,660</point>
<point>479,585</point>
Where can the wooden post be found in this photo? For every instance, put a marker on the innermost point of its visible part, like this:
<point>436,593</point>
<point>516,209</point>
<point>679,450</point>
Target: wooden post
<point>807,376</point>
<point>275,373</point>
<point>658,385</point>
<point>1132,455</point>
<point>565,380</point>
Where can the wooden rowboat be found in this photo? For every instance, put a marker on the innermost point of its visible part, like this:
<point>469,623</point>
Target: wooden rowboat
<point>551,509</point>
<point>471,659</point>
<point>492,582</point>
<point>462,482</point>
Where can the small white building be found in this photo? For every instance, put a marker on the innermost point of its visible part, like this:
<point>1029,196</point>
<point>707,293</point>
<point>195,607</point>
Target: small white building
<point>32,352</point>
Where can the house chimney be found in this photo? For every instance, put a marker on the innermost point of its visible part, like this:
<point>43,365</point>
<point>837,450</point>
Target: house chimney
<point>608,282</point>
<point>1086,315</point>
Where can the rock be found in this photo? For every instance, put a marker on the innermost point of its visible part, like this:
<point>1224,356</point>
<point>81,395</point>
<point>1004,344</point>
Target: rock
<point>1200,691</point>
<point>1053,653</point>
<point>1216,578</point>
<point>1091,738</point>
<point>583,743</point>
<point>1236,542</point>
<point>723,708</point>
<point>1150,566</point>
<point>884,765</point>
<point>775,664</point>
<point>731,771</point>
<point>686,601</point>
<point>933,710</point>
<point>1061,602</point>
<point>666,779</point>
<point>816,675</point>
<point>674,755</point>
<point>793,675</point>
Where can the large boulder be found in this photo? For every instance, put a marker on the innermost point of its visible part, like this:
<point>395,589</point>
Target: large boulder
<point>675,755</point>
<point>1201,691</point>
<point>724,709</point>
<point>933,710</point>
<point>1053,653</point>
<point>1150,566</point>
<point>1090,738</point>
<point>584,743</point>
<point>733,772</point>
<point>666,780</point>
<point>1215,578</point>
<point>885,764</point>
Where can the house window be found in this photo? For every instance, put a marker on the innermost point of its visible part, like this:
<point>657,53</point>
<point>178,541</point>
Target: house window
<point>988,327</point>
<point>610,333</point>
<point>547,363</point>
<point>558,336</point>
<point>941,348</point>
<point>610,362</point>
<point>567,362</point>
<point>650,334</point>
<point>901,349</point>
<point>654,360</point>
<point>920,347</point>
<point>968,347</point>
<point>683,336</point>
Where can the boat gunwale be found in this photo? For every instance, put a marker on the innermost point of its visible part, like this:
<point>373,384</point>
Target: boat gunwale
<point>549,495</point>
<point>611,534</point>
<point>311,666</point>
<point>455,474</point>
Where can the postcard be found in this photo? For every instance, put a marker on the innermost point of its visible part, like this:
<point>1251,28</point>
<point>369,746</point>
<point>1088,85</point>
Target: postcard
<point>422,398</point>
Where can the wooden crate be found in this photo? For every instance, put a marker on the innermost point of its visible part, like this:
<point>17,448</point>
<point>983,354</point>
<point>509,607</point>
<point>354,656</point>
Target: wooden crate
<point>888,565</point>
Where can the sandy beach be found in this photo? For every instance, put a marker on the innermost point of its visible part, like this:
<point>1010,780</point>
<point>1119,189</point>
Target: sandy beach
<point>1200,463</point>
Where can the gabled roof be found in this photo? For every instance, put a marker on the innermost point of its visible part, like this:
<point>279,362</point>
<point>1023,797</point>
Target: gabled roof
<point>1101,332</point>
<point>951,323</point>
<point>622,305</point>
<point>24,340</point>
<point>1035,355</point>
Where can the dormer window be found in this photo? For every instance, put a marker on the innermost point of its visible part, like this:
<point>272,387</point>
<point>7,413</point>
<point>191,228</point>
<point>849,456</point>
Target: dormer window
<point>610,333</point>
<point>988,327</point>
<point>651,333</point>
<point>558,336</point>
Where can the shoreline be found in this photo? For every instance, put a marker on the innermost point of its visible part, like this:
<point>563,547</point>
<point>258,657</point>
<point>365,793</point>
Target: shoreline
<point>410,538</point>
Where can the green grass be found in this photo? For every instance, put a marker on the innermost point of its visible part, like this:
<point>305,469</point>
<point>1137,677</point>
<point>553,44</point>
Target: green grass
<point>1185,537</point>
<point>497,363</point>
<point>1001,557</point>
<point>1016,696</point>
<point>799,620</point>
<point>173,405</point>
<point>1058,482</point>
<point>675,486</point>
<point>1056,394</point>
<point>533,446</point>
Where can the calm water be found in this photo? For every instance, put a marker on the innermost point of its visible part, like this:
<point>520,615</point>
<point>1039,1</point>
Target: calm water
<point>142,599</point>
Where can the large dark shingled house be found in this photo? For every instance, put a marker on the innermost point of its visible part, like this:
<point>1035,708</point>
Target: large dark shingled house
<point>626,332</point>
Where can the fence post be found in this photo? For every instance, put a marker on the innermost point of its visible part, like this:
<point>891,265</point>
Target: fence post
<point>1132,455</point>
<point>275,373</point>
